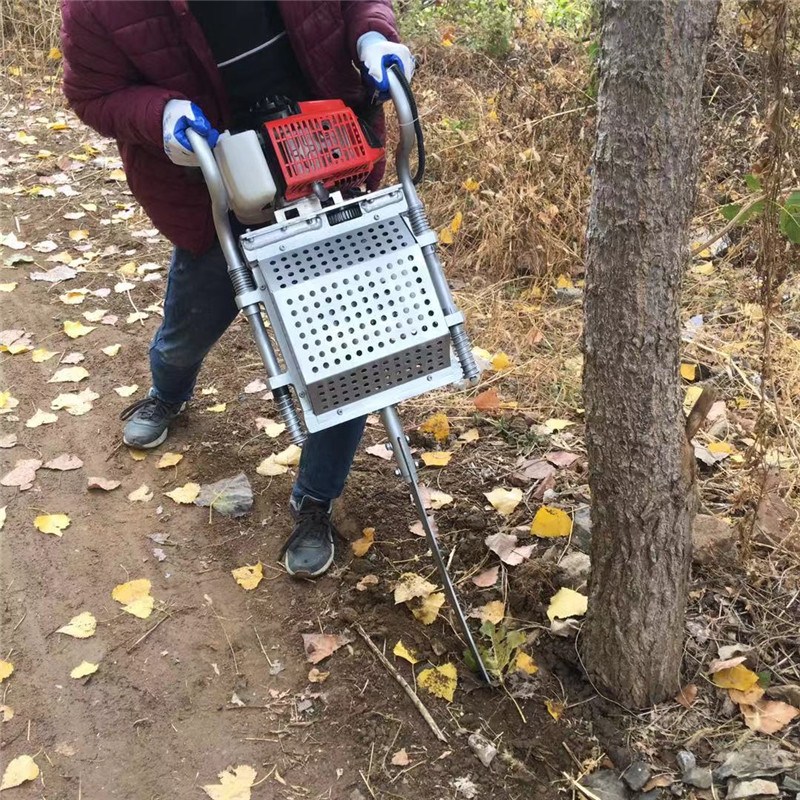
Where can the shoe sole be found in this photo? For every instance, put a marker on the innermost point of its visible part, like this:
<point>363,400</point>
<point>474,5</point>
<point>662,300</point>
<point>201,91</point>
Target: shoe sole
<point>305,573</point>
<point>149,445</point>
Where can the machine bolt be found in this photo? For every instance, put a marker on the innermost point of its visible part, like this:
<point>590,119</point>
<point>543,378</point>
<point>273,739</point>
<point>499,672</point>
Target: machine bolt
<point>397,472</point>
<point>301,394</point>
<point>339,411</point>
<point>282,247</point>
<point>430,377</point>
<point>377,216</point>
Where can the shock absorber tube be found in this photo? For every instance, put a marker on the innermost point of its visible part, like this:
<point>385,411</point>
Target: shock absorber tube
<point>242,279</point>
<point>420,225</point>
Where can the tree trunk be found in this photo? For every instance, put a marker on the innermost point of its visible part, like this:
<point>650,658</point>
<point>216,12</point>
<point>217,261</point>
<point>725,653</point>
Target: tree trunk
<point>641,474</point>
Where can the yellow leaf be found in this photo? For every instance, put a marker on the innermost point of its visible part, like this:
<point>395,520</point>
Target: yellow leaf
<point>554,708</point>
<point>54,54</point>
<point>52,523</point>
<point>439,499</point>
<point>691,396</point>
<point>7,402</point>
<point>317,676</point>
<point>455,225</point>
<point>737,677</point>
<point>768,716</point>
<point>471,185</point>
<point>235,784</point>
<point>567,603</point>
<point>428,610</point>
<point>688,371</point>
<point>440,458</point>
<point>471,435</point>
<point>135,597</point>
<point>446,236</point>
<point>703,268</point>
<point>438,426</point>
<point>440,681</point>
<point>41,418</point>
<point>169,460</point>
<point>137,455</point>
<point>19,770</point>
<point>492,116</point>
<point>6,668</point>
<point>564,282</point>
<point>501,361</point>
<point>551,522</point>
<point>25,138</point>
<point>290,457</point>
<point>116,175</point>
<point>524,663</point>
<point>76,329</point>
<point>185,494</point>
<point>40,355</point>
<point>7,713</point>
<point>410,585</point>
<point>269,467</point>
<point>126,391</point>
<point>748,698</point>
<point>89,206</point>
<point>59,125</point>
<point>493,612</point>
<point>361,546</point>
<point>721,448</point>
<point>83,669</point>
<point>80,627</point>
<point>504,501</point>
<point>555,425</point>
<point>112,349</point>
<point>141,495</point>
<point>70,375</point>
<point>136,316</point>
<point>72,297</point>
<point>218,408</point>
<point>7,287</point>
<point>141,608</point>
<point>79,235</point>
<point>249,576</point>
<point>401,651</point>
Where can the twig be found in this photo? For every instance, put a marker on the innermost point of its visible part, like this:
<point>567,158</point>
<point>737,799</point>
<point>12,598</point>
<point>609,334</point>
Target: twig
<point>147,633</point>
<point>582,789</point>
<point>406,688</point>
<point>227,639</point>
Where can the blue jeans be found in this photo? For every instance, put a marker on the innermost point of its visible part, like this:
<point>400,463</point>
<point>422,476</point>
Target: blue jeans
<point>198,308</point>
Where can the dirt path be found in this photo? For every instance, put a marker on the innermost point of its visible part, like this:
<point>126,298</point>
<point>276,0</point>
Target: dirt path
<point>216,676</point>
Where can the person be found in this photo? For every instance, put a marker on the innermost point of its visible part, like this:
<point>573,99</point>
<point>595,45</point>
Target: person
<point>142,72</point>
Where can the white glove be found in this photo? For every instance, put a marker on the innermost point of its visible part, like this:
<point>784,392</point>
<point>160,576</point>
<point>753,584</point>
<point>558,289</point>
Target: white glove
<point>377,54</point>
<point>178,116</point>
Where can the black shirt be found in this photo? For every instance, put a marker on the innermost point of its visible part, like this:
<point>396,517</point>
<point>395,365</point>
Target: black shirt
<point>252,51</point>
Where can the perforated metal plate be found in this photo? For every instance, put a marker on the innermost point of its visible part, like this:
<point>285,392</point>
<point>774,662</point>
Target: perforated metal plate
<point>356,317</point>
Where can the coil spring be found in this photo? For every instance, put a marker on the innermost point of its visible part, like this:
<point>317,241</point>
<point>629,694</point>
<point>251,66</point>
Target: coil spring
<point>463,348</point>
<point>419,220</point>
<point>242,279</point>
<point>285,405</point>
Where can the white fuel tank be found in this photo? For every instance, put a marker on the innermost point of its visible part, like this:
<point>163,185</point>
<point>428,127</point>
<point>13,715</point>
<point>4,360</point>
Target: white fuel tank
<point>246,174</point>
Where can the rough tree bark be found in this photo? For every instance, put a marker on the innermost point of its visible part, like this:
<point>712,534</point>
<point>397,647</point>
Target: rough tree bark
<point>641,475</point>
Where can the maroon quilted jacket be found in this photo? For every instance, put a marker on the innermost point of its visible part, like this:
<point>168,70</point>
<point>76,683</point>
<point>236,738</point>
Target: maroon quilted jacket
<point>124,59</point>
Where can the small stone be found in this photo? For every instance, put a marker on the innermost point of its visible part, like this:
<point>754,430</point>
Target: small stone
<point>739,790</point>
<point>606,785</point>
<point>582,529</point>
<point>483,748</point>
<point>475,521</point>
<point>348,615</point>
<point>637,775</point>
<point>699,777</point>
<point>791,784</point>
<point>713,540</point>
<point>686,760</point>
<point>574,571</point>
<point>755,760</point>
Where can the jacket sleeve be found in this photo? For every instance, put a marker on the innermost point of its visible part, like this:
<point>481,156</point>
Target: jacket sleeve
<point>362,16</point>
<point>101,84</point>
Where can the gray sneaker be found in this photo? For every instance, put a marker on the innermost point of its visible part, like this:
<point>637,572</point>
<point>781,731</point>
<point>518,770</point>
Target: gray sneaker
<point>308,552</point>
<point>147,421</point>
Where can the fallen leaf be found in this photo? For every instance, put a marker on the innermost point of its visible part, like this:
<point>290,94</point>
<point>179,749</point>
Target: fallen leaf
<point>23,475</point>
<point>105,484</point>
<point>52,523</point>
<point>524,663</point>
<point>255,386</point>
<point>318,646</point>
<point>72,358</point>
<point>75,404</point>
<point>169,460</point>
<point>738,677</point>
<point>566,603</point>
<point>7,403</point>
<point>440,681</point>
<point>73,297</point>
<point>231,497</point>
<point>446,236</point>
<point>469,436</point>
<point>562,459</point>
<point>6,669</point>
<point>366,582</point>
<point>501,361</point>
<point>18,771</point>
<point>126,391</point>
<point>186,494</point>
<point>135,597</point>
<point>505,545</point>
<point>7,713</point>
<point>401,651</point>
<point>768,716</point>
<point>80,627</point>
<point>688,371</point>
<point>494,612</point>
<point>271,428</point>
<point>554,708</point>
<point>54,275</point>
<point>8,440</point>
<point>437,499</point>
<point>289,457</point>
<point>137,455</point>
<point>41,418</point>
<point>111,350</point>
<point>269,467</point>
<point>41,355</point>
<point>438,426</point>
<point>361,546</point>
<point>410,586</point>
<point>64,463</point>
<point>76,329</point>
<point>551,522</point>
<point>748,698</point>
<point>84,669</point>
<point>428,609</point>
<point>555,425</point>
<point>235,784</point>
<point>504,501</point>
<point>436,459</point>
<point>316,676</point>
<point>687,695</point>
<point>486,578</point>
<point>218,408</point>
<point>8,287</point>
<point>691,397</point>
<point>249,576</point>
<point>488,400</point>
<point>401,759</point>
<point>725,663</point>
<point>470,184</point>
<point>141,495</point>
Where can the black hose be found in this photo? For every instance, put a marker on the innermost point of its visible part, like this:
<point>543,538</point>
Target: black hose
<point>420,173</point>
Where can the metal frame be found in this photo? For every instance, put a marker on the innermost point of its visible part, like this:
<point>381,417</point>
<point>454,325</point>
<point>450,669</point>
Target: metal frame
<point>349,382</point>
